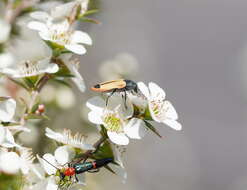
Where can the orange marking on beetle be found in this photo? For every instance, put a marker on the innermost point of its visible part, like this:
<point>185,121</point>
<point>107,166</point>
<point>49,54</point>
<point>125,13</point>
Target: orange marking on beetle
<point>69,172</point>
<point>94,165</point>
<point>109,85</point>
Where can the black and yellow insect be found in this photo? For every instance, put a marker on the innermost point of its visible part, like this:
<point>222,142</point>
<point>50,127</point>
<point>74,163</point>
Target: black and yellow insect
<point>113,86</point>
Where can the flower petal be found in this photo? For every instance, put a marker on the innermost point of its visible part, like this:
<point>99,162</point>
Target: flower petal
<point>49,167</point>
<point>64,154</point>
<point>76,48</point>
<point>173,124</point>
<point>51,184</point>
<point>95,117</point>
<point>135,128</point>
<point>40,15</point>
<point>77,79</point>
<point>170,111</point>
<point>118,138</point>
<point>96,104</point>
<point>39,26</point>
<point>144,89</point>
<point>63,10</point>
<point>156,91</point>
<point>6,138</point>
<point>52,134</point>
<point>9,162</point>
<point>7,109</point>
<point>81,37</point>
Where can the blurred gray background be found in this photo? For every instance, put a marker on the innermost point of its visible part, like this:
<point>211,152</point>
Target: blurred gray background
<point>196,50</point>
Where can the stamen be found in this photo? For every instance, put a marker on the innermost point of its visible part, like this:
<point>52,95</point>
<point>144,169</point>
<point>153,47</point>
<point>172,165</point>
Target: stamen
<point>113,123</point>
<point>29,68</point>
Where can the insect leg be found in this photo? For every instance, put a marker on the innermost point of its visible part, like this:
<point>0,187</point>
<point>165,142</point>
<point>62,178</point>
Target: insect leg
<point>76,178</point>
<point>125,99</point>
<point>107,99</point>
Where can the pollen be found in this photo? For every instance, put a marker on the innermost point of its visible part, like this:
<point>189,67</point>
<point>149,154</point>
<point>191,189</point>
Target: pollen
<point>158,108</point>
<point>61,37</point>
<point>113,123</point>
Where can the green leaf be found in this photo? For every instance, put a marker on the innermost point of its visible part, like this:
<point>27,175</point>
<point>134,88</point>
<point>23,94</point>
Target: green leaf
<point>91,20</point>
<point>28,82</point>
<point>109,169</point>
<point>63,82</point>
<point>89,12</point>
<point>152,128</point>
<point>36,116</point>
<point>11,182</point>
<point>104,151</point>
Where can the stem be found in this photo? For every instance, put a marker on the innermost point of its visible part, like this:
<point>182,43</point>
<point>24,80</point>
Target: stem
<point>88,153</point>
<point>12,14</point>
<point>42,82</point>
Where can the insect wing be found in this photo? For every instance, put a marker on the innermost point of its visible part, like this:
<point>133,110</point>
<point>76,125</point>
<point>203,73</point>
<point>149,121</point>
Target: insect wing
<point>110,85</point>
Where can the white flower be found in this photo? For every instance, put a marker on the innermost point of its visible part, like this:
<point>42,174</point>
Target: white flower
<point>7,109</point>
<point>6,138</point>
<point>6,60</point>
<point>161,110</point>
<point>26,160</point>
<point>31,64</point>
<point>122,66</point>
<point>62,156</point>
<point>9,162</point>
<point>59,32</point>
<point>77,140</point>
<point>115,119</point>
<point>84,5</point>
<point>73,66</point>
<point>7,112</point>
<point>5,31</point>
<point>65,10</point>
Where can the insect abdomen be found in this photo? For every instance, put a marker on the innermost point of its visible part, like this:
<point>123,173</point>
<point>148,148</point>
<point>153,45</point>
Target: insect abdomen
<point>83,167</point>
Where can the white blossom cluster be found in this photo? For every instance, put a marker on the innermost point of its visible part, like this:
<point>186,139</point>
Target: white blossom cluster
<point>44,50</point>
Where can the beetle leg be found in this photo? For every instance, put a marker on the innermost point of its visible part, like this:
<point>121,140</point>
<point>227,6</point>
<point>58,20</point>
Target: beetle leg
<point>125,99</point>
<point>84,160</point>
<point>77,180</point>
<point>107,99</point>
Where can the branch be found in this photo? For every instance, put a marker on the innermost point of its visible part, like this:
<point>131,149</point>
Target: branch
<point>88,153</point>
<point>12,14</point>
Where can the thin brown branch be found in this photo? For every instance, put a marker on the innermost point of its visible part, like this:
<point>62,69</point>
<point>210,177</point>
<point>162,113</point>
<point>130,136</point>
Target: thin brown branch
<point>88,153</point>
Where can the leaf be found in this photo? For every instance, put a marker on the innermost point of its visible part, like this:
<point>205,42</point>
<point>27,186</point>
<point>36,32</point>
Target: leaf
<point>91,20</point>
<point>152,128</point>
<point>36,116</point>
<point>104,151</point>
<point>109,169</point>
<point>63,82</point>
<point>28,82</point>
<point>89,12</point>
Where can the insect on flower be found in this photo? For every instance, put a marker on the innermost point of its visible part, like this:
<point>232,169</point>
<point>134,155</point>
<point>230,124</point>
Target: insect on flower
<point>66,173</point>
<point>113,86</point>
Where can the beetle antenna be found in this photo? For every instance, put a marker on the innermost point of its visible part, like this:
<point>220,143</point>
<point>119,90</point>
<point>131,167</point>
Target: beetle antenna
<point>50,164</point>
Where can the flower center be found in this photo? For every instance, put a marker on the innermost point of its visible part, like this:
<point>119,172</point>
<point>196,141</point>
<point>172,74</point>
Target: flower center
<point>28,68</point>
<point>61,37</point>
<point>157,106</point>
<point>113,123</point>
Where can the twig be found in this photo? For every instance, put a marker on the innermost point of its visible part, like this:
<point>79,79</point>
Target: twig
<point>12,14</point>
<point>89,152</point>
